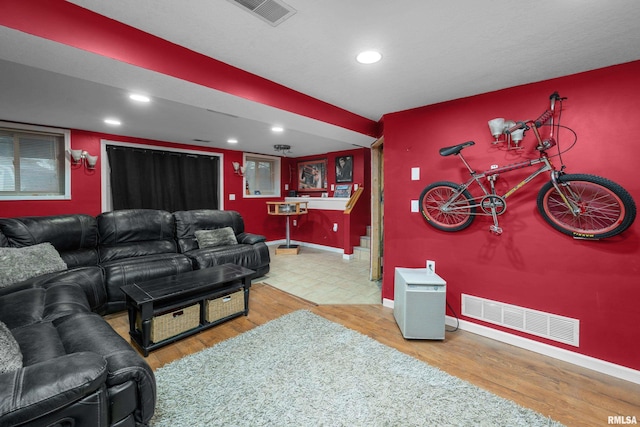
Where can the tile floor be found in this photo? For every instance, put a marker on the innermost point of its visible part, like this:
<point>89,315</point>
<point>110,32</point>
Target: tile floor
<point>322,277</point>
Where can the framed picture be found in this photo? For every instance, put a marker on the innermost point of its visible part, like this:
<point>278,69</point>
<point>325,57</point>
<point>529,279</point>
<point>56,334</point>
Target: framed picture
<point>312,175</point>
<point>344,169</point>
<point>343,190</point>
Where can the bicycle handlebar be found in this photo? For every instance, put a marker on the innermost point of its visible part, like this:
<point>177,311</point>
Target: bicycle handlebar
<point>544,117</point>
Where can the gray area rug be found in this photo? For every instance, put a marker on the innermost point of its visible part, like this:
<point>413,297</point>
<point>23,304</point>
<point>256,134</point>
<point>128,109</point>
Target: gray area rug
<point>303,370</point>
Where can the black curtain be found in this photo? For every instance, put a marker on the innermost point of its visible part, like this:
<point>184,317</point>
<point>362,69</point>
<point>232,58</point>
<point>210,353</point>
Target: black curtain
<point>155,179</point>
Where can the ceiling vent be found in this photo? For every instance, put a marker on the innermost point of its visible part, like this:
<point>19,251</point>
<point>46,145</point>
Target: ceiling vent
<point>275,12</point>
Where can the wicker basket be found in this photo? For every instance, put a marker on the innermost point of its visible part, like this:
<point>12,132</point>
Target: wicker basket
<point>171,324</point>
<point>224,306</point>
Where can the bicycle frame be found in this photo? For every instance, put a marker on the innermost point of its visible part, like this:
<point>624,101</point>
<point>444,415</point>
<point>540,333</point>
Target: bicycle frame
<point>496,202</point>
<point>492,175</point>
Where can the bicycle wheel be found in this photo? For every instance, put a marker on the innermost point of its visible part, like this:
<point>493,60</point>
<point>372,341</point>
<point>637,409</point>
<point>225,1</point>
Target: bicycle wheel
<point>456,216</point>
<point>605,208</point>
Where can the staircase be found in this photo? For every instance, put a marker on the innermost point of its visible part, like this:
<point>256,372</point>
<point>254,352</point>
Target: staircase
<point>363,251</point>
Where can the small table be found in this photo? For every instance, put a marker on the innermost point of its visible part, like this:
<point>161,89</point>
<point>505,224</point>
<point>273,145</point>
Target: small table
<point>287,209</point>
<point>150,299</point>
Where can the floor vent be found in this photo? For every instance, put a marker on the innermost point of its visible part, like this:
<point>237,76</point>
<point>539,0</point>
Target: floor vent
<point>275,12</point>
<point>551,326</point>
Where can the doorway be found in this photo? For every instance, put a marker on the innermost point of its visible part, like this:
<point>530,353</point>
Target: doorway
<point>377,209</point>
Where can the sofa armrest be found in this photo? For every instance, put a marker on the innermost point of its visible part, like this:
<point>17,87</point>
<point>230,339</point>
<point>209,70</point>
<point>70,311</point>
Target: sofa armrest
<point>90,279</point>
<point>39,389</point>
<point>250,239</point>
<point>82,332</point>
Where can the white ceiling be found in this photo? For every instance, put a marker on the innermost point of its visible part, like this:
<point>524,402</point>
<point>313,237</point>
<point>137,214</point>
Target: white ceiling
<point>433,51</point>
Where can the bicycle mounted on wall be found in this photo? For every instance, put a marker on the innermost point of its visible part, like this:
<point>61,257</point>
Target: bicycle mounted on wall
<point>580,205</point>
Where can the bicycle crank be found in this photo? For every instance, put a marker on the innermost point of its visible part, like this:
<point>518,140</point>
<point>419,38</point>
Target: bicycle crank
<point>493,203</point>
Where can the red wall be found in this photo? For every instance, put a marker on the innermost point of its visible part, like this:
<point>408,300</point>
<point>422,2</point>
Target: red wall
<point>317,226</point>
<point>531,264</point>
<point>86,188</point>
<point>361,168</point>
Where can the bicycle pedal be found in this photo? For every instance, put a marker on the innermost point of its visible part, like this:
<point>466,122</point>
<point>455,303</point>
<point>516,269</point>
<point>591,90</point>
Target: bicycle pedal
<point>495,230</point>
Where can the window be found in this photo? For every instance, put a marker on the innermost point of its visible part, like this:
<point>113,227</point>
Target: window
<point>262,175</point>
<point>143,178</point>
<point>32,163</point>
<point>214,184</point>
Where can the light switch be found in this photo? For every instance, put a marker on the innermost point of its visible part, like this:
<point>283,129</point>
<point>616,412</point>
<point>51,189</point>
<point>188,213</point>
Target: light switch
<point>414,206</point>
<point>415,174</point>
<point>286,186</point>
<point>232,196</point>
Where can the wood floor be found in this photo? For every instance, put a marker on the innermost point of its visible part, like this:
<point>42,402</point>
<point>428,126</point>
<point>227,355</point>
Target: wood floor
<point>569,394</point>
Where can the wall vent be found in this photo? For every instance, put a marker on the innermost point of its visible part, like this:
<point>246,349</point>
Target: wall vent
<point>274,12</point>
<point>547,325</point>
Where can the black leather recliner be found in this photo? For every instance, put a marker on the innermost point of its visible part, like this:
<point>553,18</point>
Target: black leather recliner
<point>75,237</point>
<point>77,372</point>
<point>250,252</point>
<point>76,369</point>
<point>136,245</point>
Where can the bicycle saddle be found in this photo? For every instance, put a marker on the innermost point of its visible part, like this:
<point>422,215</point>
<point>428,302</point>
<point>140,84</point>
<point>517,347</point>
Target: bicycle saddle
<point>455,149</point>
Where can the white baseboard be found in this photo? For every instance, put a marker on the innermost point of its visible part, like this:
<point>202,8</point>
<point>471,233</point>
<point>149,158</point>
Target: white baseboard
<point>578,359</point>
<point>313,245</point>
<point>276,242</point>
<point>309,245</point>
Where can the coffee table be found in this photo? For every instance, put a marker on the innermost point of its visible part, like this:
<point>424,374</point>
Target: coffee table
<point>172,296</point>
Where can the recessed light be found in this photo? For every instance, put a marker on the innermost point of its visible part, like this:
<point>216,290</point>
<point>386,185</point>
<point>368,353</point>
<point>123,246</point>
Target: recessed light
<point>369,57</point>
<point>232,141</point>
<point>114,122</point>
<point>277,129</point>
<point>138,97</point>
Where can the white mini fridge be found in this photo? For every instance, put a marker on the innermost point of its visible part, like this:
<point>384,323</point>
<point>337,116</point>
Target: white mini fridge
<point>419,303</point>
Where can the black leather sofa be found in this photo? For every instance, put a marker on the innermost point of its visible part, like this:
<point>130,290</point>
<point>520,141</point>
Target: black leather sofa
<point>76,370</point>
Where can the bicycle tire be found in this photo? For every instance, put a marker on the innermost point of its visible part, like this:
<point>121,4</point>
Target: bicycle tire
<point>435,195</point>
<point>606,208</point>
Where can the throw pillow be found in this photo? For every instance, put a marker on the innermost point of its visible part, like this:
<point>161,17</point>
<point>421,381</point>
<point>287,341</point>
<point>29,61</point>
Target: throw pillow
<point>18,264</point>
<point>10,354</point>
<point>218,237</point>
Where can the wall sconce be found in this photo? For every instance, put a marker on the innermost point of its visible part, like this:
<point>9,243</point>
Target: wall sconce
<point>498,126</point>
<point>79,157</point>
<point>239,170</point>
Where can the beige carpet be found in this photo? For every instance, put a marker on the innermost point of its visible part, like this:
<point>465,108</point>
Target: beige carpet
<point>304,370</point>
